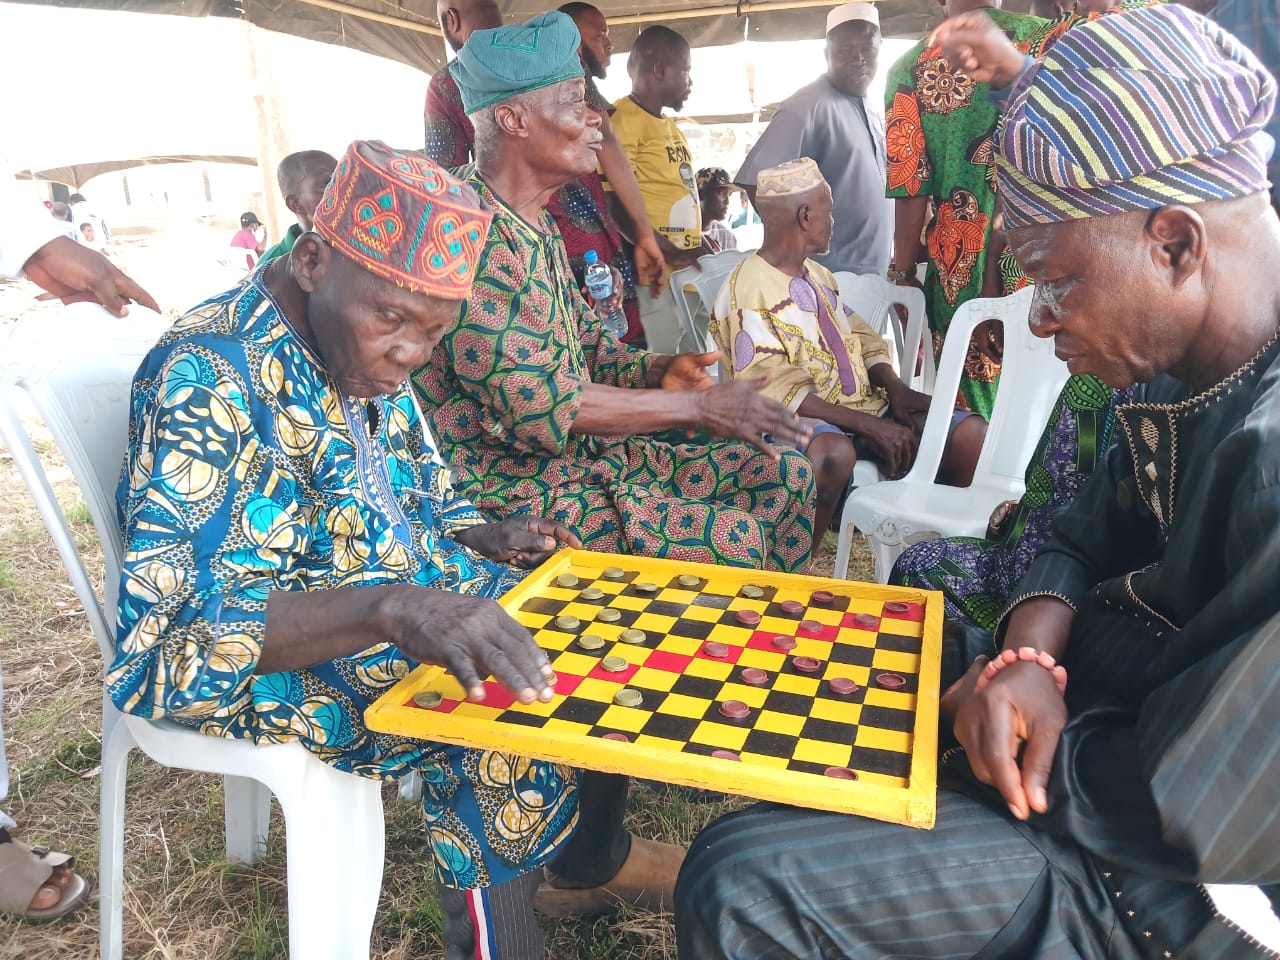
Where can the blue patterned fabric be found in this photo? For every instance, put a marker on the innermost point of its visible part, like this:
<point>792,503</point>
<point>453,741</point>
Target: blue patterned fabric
<point>248,473</point>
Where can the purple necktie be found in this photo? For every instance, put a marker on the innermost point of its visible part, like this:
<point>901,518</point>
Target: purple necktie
<point>806,296</point>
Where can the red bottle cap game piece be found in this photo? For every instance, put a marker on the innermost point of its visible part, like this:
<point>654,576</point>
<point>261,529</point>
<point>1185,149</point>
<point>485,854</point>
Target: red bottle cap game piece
<point>755,676</point>
<point>714,648</point>
<point>748,618</point>
<point>891,681</point>
<point>725,755</point>
<point>783,642</point>
<point>842,685</point>
<point>617,736</point>
<point>811,626</point>
<point>735,709</point>
<point>868,620</point>
<point>822,596</point>
<point>807,664</point>
<point>840,773</point>
<point>897,606</point>
<point>792,607</point>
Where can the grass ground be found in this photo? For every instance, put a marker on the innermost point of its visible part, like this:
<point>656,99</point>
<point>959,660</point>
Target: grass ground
<point>183,900</point>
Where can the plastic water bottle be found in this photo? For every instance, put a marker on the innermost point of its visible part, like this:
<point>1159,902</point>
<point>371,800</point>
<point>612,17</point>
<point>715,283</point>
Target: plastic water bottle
<point>599,280</point>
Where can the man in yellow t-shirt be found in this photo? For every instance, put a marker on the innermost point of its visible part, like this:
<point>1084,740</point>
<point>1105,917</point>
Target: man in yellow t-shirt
<point>659,68</point>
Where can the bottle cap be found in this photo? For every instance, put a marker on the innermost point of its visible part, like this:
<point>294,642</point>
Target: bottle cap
<point>590,257</point>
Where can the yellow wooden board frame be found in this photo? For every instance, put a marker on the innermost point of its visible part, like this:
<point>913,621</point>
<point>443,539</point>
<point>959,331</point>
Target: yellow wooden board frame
<point>913,805</point>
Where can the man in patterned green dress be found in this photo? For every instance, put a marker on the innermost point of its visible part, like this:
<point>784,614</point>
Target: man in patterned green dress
<point>292,547</point>
<point>939,124</point>
<point>539,410</point>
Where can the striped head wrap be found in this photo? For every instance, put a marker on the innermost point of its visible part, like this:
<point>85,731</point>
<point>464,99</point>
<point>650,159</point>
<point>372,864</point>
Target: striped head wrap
<point>1132,112</point>
<point>404,219</point>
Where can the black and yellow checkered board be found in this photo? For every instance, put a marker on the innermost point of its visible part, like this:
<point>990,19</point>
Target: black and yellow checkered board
<point>871,752</point>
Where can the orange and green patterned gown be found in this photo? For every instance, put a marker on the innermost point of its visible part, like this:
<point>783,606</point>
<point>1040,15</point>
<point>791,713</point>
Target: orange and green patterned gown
<point>939,125</point>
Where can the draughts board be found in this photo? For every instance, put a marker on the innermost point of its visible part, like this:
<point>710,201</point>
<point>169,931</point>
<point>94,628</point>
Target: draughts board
<point>803,741</point>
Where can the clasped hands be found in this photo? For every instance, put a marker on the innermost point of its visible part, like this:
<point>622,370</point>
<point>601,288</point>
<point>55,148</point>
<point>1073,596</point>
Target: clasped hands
<point>1009,730</point>
<point>896,438</point>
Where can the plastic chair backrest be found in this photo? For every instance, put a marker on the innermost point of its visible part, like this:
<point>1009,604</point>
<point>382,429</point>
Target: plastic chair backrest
<point>83,398</point>
<point>1031,379</point>
<point>873,299</point>
<point>1030,382</point>
<point>706,282</point>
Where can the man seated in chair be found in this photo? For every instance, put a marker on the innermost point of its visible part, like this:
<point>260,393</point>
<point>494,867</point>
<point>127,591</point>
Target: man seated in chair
<point>779,315</point>
<point>1119,751</point>
<point>538,409</point>
<point>292,550</point>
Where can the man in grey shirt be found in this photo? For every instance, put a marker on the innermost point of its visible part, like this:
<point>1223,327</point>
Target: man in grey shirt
<point>832,121</point>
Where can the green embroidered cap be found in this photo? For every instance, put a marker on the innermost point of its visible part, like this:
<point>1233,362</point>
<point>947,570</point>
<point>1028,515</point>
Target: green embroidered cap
<point>500,63</point>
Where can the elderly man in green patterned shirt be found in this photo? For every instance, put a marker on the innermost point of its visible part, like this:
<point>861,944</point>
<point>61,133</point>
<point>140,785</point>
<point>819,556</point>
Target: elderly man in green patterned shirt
<point>540,410</point>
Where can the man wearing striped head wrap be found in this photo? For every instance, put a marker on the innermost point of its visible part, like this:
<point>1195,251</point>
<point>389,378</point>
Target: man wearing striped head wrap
<point>1117,751</point>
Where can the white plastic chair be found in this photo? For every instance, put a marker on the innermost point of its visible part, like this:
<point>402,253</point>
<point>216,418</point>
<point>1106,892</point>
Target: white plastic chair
<point>1248,908</point>
<point>333,820</point>
<point>873,298</point>
<point>716,268</point>
<point>1031,379</point>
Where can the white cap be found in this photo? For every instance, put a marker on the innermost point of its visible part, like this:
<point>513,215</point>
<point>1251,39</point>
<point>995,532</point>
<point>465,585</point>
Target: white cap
<point>852,11</point>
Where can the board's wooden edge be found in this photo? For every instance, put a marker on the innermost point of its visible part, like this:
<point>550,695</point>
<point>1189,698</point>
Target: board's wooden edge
<point>565,559</point>
<point>893,804</point>
<point>923,786</point>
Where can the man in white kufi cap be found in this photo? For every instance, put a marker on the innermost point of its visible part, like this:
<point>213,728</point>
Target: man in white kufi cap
<point>833,121</point>
<point>779,321</point>
<point>850,12</point>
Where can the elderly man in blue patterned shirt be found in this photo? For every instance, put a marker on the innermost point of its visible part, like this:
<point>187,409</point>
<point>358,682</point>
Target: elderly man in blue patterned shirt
<point>293,547</point>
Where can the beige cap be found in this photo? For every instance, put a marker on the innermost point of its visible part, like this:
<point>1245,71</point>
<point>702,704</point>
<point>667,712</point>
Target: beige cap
<point>852,11</point>
<point>789,179</point>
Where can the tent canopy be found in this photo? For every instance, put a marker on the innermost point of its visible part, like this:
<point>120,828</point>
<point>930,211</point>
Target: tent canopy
<point>76,175</point>
<point>406,30</point>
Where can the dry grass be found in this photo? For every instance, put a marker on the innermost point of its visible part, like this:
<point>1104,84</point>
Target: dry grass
<point>183,900</point>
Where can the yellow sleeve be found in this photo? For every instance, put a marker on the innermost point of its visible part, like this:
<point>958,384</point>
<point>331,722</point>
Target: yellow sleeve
<point>753,348</point>
<point>874,348</point>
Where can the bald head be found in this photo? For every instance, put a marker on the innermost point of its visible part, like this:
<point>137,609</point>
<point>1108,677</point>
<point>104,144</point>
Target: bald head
<point>577,9</point>
<point>298,166</point>
<point>460,18</point>
<point>302,177</point>
<point>659,66</point>
<point>655,46</point>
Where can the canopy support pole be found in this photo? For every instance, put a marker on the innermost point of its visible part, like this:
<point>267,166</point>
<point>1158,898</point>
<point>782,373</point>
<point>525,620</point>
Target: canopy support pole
<point>271,147</point>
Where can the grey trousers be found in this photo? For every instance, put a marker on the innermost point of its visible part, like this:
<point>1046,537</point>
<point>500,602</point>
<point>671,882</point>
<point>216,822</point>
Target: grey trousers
<point>774,883</point>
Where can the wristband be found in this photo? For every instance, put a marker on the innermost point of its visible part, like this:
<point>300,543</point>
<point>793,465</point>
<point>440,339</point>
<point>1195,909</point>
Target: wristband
<point>1028,655</point>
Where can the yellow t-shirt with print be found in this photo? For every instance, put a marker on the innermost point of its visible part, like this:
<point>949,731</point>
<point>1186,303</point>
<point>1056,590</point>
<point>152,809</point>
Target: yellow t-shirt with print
<point>660,157</point>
